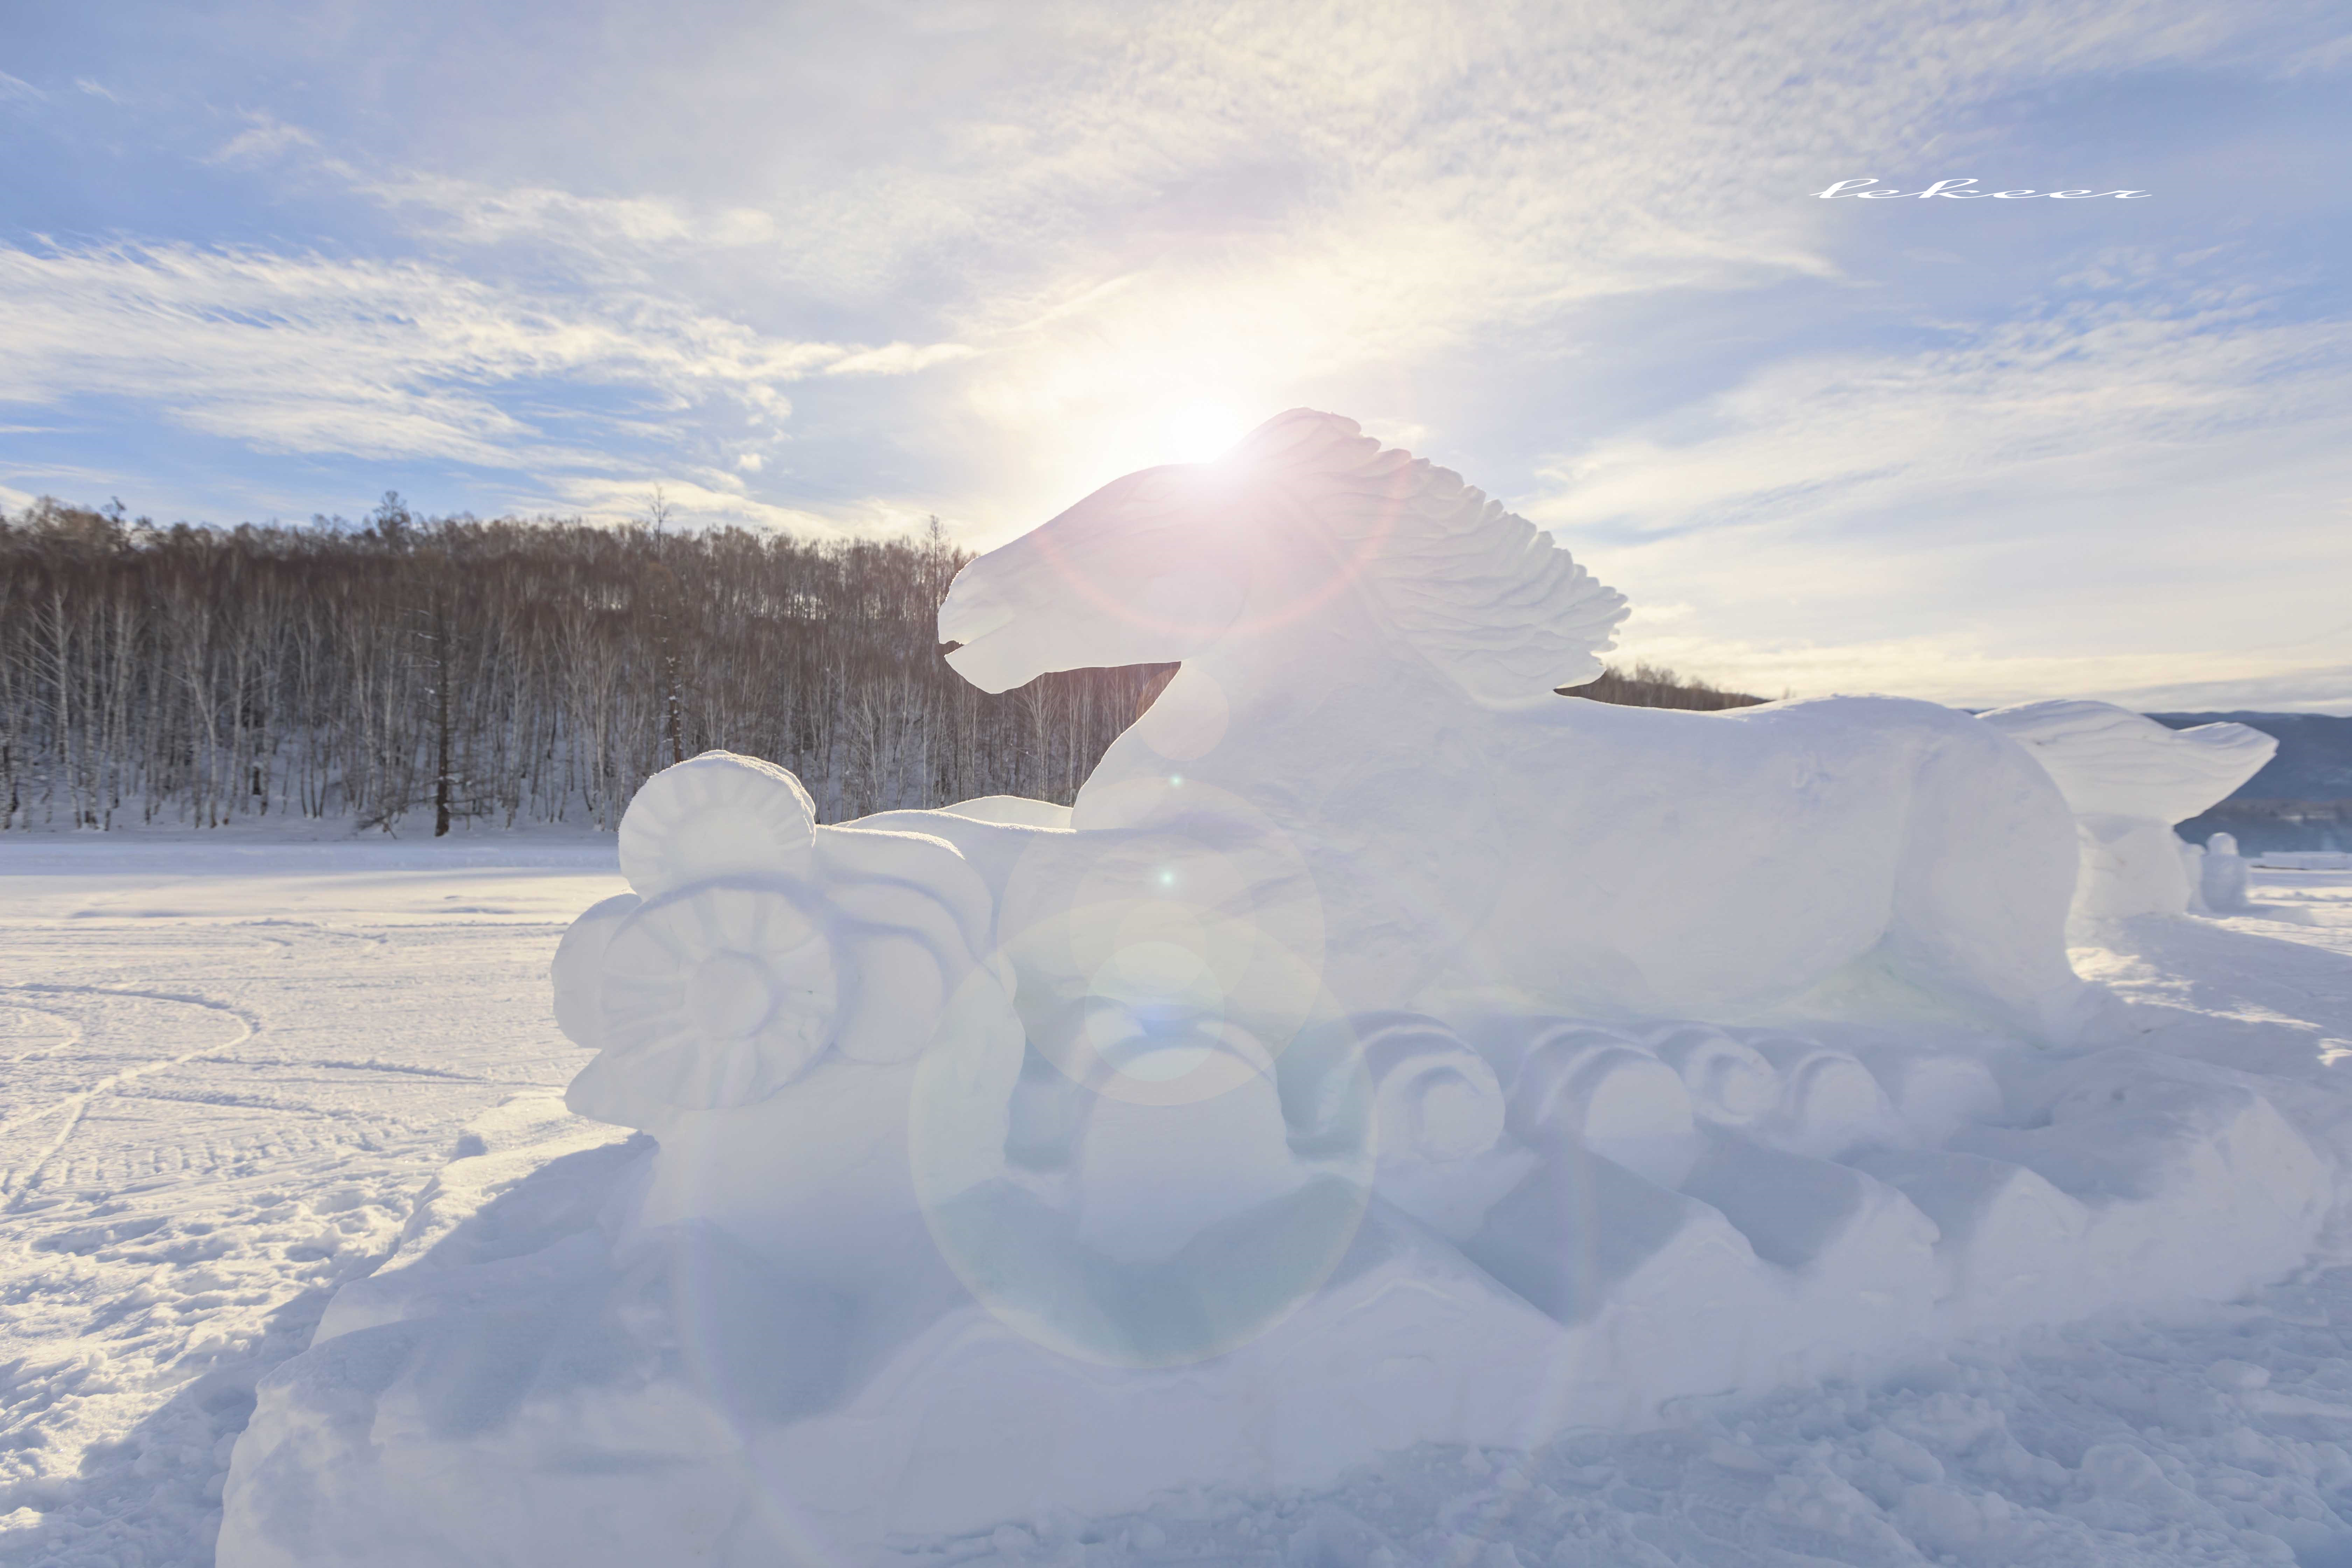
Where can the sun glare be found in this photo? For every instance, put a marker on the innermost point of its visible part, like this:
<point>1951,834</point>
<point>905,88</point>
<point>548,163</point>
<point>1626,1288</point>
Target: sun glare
<point>1200,431</point>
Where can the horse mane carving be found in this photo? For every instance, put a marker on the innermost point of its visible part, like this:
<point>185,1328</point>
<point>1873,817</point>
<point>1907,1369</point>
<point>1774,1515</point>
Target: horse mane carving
<point>1485,594</point>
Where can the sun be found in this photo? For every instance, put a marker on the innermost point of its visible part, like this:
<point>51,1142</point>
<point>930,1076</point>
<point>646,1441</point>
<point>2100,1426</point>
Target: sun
<point>1197,432</point>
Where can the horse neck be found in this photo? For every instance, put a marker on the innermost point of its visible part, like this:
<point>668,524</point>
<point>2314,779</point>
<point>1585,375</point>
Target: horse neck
<point>1285,694</point>
<point>1269,668</point>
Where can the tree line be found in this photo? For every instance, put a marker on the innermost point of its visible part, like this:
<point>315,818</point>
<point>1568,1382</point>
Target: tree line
<point>452,671</point>
<point>502,671</point>
<point>1655,686</point>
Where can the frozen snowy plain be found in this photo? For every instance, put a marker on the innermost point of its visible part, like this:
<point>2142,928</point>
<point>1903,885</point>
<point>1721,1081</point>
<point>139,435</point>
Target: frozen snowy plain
<point>232,1068</point>
<point>244,1073</point>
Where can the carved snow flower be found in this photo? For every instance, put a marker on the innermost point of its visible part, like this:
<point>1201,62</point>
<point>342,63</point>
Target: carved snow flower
<point>717,994</point>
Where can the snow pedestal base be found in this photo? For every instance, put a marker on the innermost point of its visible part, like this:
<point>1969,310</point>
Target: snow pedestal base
<point>675,1392</point>
<point>636,1419</point>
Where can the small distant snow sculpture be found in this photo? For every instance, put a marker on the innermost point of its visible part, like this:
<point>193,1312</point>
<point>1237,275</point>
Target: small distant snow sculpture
<point>2129,779</point>
<point>1383,1051</point>
<point>2224,878</point>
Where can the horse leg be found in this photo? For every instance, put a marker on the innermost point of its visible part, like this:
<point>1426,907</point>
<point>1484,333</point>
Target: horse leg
<point>1982,890</point>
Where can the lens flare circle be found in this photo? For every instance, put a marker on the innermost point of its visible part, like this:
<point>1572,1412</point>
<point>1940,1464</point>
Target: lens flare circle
<point>1134,1231</point>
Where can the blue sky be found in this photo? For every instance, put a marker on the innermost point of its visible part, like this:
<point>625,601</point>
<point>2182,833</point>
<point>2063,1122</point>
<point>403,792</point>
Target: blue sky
<point>836,268</point>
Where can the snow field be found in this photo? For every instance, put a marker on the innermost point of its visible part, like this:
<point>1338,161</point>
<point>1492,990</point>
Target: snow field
<point>232,1069</point>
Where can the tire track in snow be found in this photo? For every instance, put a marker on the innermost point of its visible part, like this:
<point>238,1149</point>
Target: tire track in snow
<point>402,1068</point>
<point>17,1189</point>
<point>73,1033</point>
<point>315,928</point>
<point>142,932</point>
<point>17,1193</point>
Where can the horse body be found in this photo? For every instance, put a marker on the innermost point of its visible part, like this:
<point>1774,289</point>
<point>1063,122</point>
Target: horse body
<point>1383,707</point>
<point>1575,857</point>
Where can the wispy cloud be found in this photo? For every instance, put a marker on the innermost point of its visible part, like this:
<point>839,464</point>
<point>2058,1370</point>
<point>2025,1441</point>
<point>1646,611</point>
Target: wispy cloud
<point>386,360</point>
<point>2321,689</point>
<point>2129,488</point>
<point>1290,203</point>
<point>476,212</point>
<point>1376,181</point>
<point>2084,387</point>
<point>263,141</point>
<point>76,483</point>
<point>898,359</point>
<point>2332,55</point>
<point>18,89</point>
<point>714,495</point>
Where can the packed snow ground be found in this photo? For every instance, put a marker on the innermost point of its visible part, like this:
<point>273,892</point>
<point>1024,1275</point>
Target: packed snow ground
<point>231,1070</point>
<point>243,1074</point>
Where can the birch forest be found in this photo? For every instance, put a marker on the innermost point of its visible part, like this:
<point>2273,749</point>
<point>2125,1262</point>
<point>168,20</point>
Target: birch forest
<point>418,675</point>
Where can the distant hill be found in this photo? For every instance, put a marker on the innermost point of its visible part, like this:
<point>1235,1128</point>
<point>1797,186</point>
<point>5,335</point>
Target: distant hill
<point>2315,754</point>
<point>2301,800</point>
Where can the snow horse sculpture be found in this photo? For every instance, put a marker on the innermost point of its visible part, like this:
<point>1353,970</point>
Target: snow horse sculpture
<point>1369,653</point>
<point>1385,1050</point>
